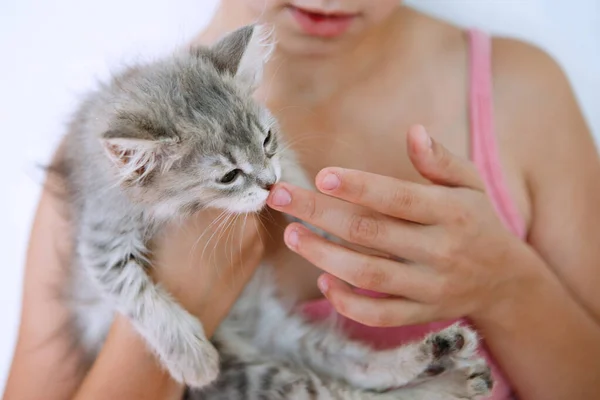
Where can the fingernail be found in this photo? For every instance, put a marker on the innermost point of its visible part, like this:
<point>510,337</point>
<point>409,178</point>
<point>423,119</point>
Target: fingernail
<point>323,284</point>
<point>330,182</point>
<point>425,138</point>
<point>281,197</point>
<point>292,238</point>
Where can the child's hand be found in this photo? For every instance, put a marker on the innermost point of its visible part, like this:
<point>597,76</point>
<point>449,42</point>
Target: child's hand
<point>449,254</point>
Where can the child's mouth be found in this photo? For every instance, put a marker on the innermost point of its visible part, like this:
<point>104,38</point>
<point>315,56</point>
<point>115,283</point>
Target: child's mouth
<point>322,24</point>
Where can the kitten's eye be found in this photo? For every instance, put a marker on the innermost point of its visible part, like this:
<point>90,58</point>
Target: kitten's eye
<point>268,139</point>
<point>230,176</point>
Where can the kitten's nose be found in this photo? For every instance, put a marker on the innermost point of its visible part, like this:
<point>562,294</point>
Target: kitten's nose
<point>267,184</point>
<point>267,178</point>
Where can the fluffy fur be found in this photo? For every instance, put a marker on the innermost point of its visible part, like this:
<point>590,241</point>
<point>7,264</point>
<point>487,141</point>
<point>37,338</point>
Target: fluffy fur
<point>167,139</point>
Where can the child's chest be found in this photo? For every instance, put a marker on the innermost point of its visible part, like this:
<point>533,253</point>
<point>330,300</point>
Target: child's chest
<point>368,139</point>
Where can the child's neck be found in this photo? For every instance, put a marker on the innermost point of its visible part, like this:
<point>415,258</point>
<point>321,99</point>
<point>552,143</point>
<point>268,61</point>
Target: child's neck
<point>311,78</point>
<point>316,78</point>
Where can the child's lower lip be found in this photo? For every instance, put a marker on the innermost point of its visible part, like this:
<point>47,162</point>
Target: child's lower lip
<point>322,25</point>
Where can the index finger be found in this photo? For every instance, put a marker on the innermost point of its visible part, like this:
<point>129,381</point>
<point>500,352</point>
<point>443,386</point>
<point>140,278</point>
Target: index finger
<point>351,222</point>
<point>390,196</point>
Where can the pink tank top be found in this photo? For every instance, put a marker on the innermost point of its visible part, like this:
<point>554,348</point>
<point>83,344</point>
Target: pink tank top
<point>484,154</point>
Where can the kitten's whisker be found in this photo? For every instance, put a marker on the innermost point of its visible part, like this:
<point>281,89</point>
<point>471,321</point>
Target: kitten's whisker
<point>211,236</point>
<point>230,220</point>
<point>270,84</point>
<point>207,229</point>
<point>268,212</point>
<point>230,228</point>
<point>241,256</point>
<point>274,221</point>
<point>264,227</point>
<point>308,137</point>
<point>231,235</point>
<point>219,218</point>
<point>293,144</point>
<point>258,216</point>
<point>222,228</point>
<point>218,233</point>
<point>290,143</point>
<point>308,151</point>
<point>229,223</point>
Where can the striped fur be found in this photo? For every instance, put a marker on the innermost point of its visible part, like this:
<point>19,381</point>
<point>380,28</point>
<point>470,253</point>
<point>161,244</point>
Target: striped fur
<point>269,352</point>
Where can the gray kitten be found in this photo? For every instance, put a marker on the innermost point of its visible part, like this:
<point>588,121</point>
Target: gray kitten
<point>164,140</point>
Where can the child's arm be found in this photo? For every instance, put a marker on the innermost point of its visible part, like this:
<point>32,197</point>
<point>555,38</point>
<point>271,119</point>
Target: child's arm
<point>548,343</point>
<point>45,364</point>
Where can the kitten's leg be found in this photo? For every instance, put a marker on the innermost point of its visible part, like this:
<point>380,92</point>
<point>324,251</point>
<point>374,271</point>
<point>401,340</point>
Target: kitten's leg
<point>325,350</point>
<point>472,382</point>
<point>271,381</point>
<point>253,378</point>
<point>172,333</point>
<point>364,367</point>
<point>249,373</point>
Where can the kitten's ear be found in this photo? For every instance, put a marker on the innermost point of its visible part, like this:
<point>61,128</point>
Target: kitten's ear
<point>135,157</point>
<point>244,52</point>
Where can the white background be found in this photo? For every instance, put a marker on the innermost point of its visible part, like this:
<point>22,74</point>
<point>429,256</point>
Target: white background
<point>52,51</point>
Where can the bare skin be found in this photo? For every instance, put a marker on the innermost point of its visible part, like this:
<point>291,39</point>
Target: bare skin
<point>548,157</point>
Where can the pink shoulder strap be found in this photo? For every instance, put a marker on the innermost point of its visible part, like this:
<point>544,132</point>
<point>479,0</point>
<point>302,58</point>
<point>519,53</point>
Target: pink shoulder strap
<point>484,150</point>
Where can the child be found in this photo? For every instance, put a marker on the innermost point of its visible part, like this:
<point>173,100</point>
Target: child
<point>507,240</point>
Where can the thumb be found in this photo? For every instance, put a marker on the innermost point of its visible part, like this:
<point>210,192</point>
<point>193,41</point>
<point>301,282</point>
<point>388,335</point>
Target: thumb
<point>436,163</point>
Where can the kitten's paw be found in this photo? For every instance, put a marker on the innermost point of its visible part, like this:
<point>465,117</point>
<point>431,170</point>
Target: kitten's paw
<point>195,364</point>
<point>473,382</point>
<point>184,350</point>
<point>450,348</point>
<point>479,380</point>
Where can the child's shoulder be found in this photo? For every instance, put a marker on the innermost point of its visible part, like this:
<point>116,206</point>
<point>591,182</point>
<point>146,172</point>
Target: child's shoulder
<point>534,103</point>
<point>536,114</point>
<point>520,65</point>
<point>541,129</point>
